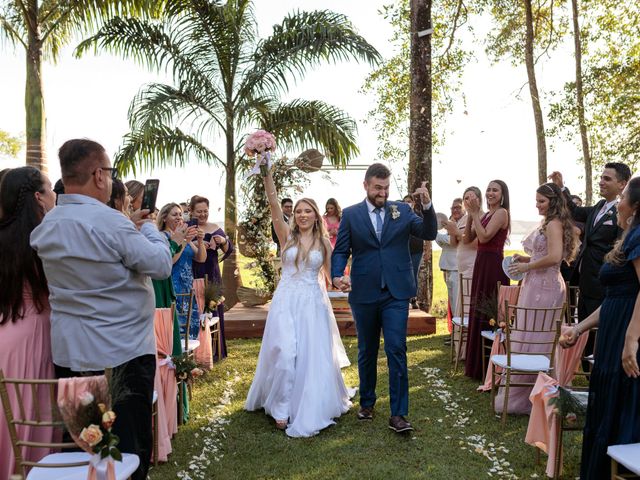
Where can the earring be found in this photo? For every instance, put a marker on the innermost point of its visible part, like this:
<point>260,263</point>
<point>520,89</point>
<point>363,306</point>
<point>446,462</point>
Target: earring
<point>629,220</point>
<point>501,201</point>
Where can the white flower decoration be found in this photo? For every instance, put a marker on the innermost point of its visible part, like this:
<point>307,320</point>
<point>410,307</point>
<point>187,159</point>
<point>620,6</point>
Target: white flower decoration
<point>395,213</point>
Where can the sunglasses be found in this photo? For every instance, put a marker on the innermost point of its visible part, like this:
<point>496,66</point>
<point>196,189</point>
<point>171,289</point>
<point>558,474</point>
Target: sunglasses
<point>114,172</point>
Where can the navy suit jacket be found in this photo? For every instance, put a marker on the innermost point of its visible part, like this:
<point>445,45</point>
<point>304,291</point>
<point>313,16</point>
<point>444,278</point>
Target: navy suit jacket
<point>373,258</point>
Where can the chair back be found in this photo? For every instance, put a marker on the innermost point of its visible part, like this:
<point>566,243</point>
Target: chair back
<point>533,331</point>
<point>573,296</point>
<point>184,307</point>
<point>464,296</point>
<point>40,415</point>
<point>163,327</point>
<point>199,287</point>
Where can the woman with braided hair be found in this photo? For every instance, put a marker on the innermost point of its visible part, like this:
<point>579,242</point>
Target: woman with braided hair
<point>543,286</point>
<point>25,343</point>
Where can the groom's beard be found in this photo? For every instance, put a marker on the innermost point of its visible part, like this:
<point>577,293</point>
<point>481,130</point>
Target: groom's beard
<point>377,201</point>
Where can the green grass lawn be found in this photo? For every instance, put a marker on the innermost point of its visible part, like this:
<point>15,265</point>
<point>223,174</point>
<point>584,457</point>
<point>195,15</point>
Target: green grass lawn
<point>457,435</point>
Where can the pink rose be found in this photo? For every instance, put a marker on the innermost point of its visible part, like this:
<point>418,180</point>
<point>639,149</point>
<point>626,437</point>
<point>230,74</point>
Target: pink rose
<point>196,372</point>
<point>107,419</point>
<point>259,141</point>
<point>92,435</point>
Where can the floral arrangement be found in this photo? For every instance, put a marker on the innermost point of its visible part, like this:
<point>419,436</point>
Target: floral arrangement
<point>212,299</point>
<point>186,368</point>
<point>567,406</point>
<point>489,307</point>
<point>260,144</point>
<point>395,213</point>
<point>89,419</point>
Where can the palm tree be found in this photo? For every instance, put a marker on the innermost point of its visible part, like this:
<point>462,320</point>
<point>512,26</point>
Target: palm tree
<point>42,28</point>
<point>227,82</point>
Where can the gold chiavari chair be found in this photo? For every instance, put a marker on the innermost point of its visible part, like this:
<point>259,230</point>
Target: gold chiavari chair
<point>183,307</point>
<point>629,457</point>
<point>54,465</point>
<point>531,338</point>
<point>460,322</point>
<point>216,332</point>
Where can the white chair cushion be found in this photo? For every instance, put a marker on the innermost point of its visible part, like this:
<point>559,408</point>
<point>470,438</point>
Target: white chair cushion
<point>590,359</point>
<point>155,396</point>
<point>124,469</point>
<point>337,294</point>
<point>488,334</point>
<point>627,456</point>
<point>523,362</point>
<point>192,345</point>
<point>456,321</point>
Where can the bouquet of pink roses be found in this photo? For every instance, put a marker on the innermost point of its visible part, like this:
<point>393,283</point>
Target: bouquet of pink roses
<point>260,144</point>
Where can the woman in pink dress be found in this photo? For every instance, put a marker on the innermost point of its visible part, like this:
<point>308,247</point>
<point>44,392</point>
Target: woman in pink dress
<point>542,286</point>
<point>332,217</point>
<point>25,342</point>
<point>491,230</point>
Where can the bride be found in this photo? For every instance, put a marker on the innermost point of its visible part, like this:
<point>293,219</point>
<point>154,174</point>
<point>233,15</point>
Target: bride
<point>298,380</point>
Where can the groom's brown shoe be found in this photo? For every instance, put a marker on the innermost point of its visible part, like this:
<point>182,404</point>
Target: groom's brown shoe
<point>399,424</point>
<point>365,413</point>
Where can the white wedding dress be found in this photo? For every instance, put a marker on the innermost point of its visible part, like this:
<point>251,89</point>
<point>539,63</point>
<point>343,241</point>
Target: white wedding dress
<point>298,375</point>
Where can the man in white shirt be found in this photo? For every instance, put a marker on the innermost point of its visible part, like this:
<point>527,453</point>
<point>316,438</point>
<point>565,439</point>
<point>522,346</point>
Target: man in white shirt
<point>98,265</point>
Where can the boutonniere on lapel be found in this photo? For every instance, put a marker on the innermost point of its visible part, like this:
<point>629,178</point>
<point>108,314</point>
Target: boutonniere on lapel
<point>609,213</point>
<point>395,213</point>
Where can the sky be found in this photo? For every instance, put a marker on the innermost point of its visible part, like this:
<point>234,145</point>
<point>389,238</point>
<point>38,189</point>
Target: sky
<point>491,136</point>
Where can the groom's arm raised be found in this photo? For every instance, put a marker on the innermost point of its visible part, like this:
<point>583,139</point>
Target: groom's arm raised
<point>426,227</point>
<point>342,250</point>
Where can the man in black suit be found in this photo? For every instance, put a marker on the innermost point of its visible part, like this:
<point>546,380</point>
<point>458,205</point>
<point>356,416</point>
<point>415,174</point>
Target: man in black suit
<point>600,233</point>
<point>287,210</point>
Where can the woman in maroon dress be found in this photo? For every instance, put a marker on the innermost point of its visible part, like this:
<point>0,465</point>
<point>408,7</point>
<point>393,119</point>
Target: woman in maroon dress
<point>491,230</point>
<point>218,247</point>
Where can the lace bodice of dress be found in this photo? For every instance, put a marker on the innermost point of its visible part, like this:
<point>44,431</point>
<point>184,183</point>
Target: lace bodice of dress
<point>535,245</point>
<point>306,272</point>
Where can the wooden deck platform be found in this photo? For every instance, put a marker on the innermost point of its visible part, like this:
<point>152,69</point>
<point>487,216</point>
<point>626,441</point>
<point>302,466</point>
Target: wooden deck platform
<point>244,322</point>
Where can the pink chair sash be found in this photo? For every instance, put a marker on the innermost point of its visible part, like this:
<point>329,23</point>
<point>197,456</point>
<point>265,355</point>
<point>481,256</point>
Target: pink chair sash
<point>163,326</point>
<point>497,348</point>
<point>69,391</point>
<point>567,359</point>
<point>543,428</point>
<point>204,353</point>
<point>164,438</point>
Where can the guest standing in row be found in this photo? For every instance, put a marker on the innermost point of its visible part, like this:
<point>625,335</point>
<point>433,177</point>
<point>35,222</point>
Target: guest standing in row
<point>613,410</point>
<point>447,263</point>
<point>467,248</point>
<point>120,199</point>
<point>98,266</point>
<point>25,332</point>
<point>332,216</point>
<point>218,247</point>
<point>169,222</point>
<point>491,230</point>
<point>543,286</point>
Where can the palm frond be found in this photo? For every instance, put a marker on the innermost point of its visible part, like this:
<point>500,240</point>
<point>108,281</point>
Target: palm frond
<point>160,147</point>
<point>60,21</point>
<point>304,40</point>
<point>12,25</point>
<point>158,104</point>
<point>306,124</point>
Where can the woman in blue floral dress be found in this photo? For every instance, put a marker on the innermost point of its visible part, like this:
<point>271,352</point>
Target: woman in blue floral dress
<point>191,249</point>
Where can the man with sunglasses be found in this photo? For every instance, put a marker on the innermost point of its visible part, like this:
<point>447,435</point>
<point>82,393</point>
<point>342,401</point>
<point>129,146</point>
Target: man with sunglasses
<point>98,265</point>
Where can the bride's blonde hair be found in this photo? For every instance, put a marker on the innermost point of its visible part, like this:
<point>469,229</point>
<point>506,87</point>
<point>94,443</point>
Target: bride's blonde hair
<point>319,232</point>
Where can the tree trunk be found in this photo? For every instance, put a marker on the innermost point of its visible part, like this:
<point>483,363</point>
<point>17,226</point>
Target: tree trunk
<point>231,278</point>
<point>33,96</point>
<point>420,125</point>
<point>586,154</point>
<point>535,97</point>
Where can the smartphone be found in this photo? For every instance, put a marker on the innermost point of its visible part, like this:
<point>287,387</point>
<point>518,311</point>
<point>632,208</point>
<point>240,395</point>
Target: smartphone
<point>150,195</point>
<point>192,223</point>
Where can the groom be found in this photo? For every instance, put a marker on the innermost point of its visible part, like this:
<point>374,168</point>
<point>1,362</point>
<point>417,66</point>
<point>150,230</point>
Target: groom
<point>376,234</point>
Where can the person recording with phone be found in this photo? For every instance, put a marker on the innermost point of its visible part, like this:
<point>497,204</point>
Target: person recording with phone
<point>190,239</point>
<point>99,266</point>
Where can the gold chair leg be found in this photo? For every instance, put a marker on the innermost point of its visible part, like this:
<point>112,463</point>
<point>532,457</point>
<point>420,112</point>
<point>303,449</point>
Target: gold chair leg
<point>505,403</point>
<point>558,463</point>
<point>180,404</point>
<point>484,360</point>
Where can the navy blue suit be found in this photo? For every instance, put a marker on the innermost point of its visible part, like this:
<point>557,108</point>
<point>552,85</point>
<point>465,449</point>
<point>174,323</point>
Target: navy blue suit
<point>382,284</point>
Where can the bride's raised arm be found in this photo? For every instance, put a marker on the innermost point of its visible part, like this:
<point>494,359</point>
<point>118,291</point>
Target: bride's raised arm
<point>279,225</point>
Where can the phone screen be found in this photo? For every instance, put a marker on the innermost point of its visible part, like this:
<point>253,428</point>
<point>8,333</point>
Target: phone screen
<point>150,195</point>
<point>193,222</point>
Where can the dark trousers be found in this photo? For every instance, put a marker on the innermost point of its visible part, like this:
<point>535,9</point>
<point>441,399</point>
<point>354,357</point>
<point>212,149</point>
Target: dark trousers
<point>389,315</point>
<point>133,412</point>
